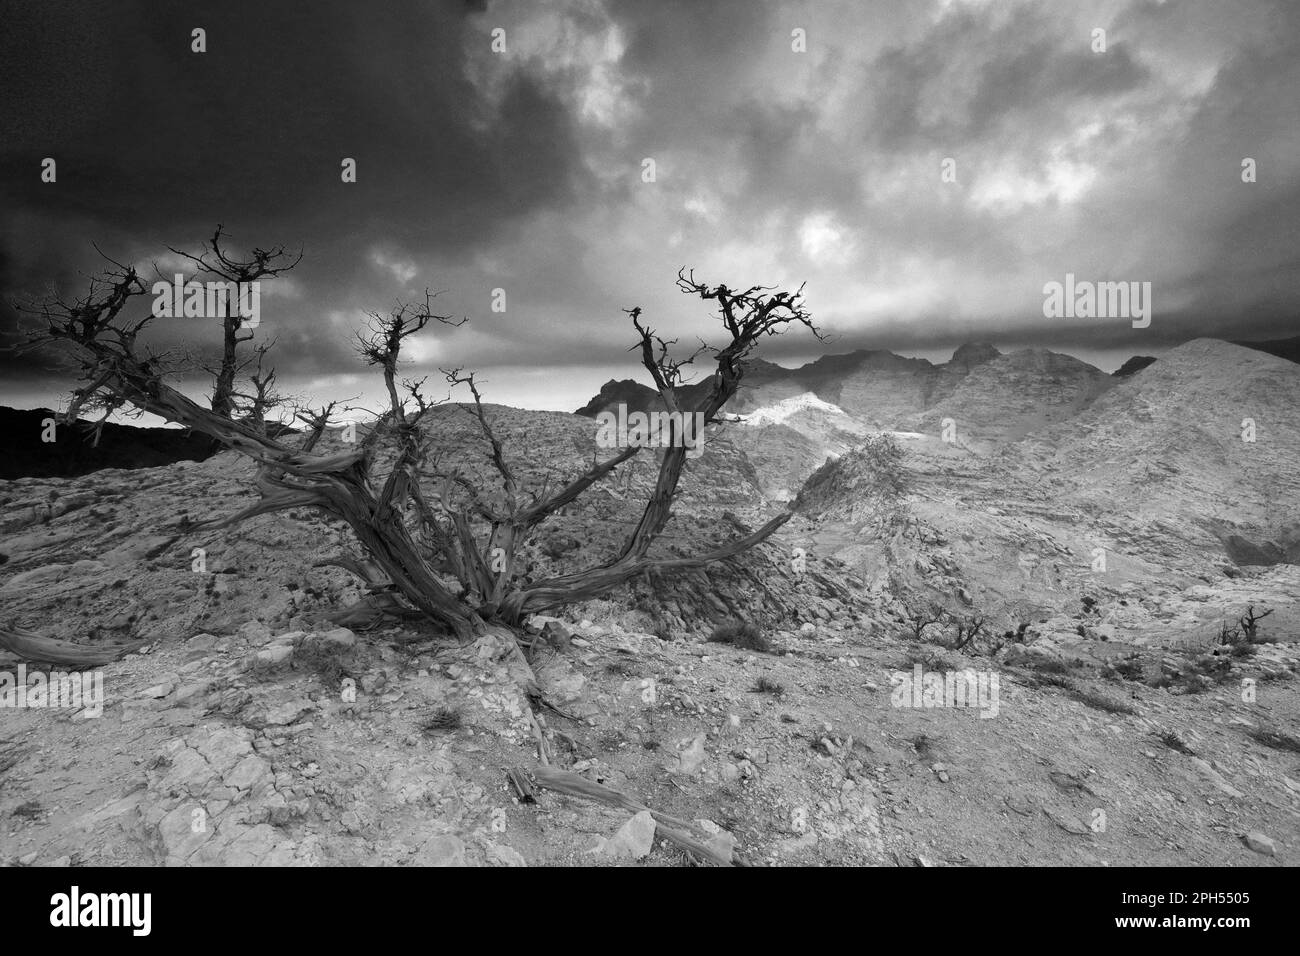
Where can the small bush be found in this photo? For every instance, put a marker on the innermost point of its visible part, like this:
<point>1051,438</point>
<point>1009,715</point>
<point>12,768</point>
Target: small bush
<point>884,457</point>
<point>1101,702</point>
<point>741,634</point>
<point>768,686</point>
<point>1084,695</point>
<point>930,658</point>
<point>31,810</point>
<point>1211,666</point>
<point>1274,738</point>
<point>1127,668</point>
<point>443,720</point>
<point>329,664</point>
<point>925,746</point>
<point>1050,665</point>
<point>1174,742</point>
<point>1229,636</point>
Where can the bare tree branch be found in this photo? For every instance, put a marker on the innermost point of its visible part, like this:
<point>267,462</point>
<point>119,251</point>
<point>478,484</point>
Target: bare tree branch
<point>219,263</point>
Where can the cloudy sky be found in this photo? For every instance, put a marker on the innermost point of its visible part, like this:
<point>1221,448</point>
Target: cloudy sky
<point>791,141</point>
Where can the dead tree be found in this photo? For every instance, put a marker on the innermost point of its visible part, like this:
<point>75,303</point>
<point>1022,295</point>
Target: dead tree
<point>968,630</point>
<point>217,263</point>
<point>1249,623</point>
<point>448,553</point>
<point>263,396</point>
<point>316,422</point>
<point>1228,634</point>
<point>380,343</point>
<point>921,615</point>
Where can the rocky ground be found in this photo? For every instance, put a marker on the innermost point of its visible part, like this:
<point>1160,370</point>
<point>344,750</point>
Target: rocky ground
<point>248,748</point>
<point>251,728</point>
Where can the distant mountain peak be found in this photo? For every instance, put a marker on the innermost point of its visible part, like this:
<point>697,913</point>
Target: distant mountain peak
<point>627,392</point>
<point>974,353</point>
<point>1134,365</point>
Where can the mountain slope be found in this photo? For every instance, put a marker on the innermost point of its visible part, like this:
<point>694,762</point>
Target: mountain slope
<point>1012,395</point>
<point>1172,437</point>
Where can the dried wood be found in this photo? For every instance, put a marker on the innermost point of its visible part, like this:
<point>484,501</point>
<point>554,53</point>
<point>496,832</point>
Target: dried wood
<point>673,829</point>
<point>36,647</point>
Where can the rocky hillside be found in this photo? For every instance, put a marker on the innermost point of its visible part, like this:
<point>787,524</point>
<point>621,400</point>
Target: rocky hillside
<point>874,387</point>
<point>1148,503</point>
<point>1206,438</point>
<point>792,420</point>
<point>1013,395</point>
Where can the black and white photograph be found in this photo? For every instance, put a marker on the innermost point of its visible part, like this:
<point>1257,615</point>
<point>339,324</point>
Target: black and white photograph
<point>626,434</point>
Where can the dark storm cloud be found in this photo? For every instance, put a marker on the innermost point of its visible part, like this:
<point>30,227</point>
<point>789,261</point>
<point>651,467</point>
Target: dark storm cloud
<point>154,135</point>
<point>156,144</point>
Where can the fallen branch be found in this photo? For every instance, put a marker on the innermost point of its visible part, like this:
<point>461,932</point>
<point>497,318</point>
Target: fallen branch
<point>673,829</point>
<point>523,787</point>
<point>372,610</point>
<point>35,647</point>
